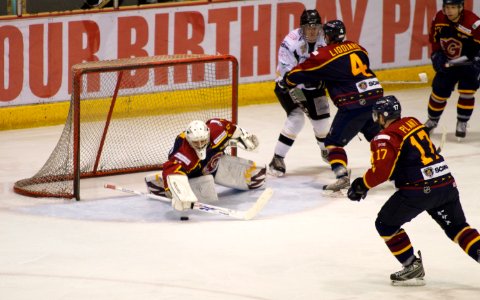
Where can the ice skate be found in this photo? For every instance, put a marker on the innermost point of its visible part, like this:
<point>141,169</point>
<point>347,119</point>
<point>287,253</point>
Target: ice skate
<point>430,125</point>
<point>339,187</point>
<point>461,130</point>
<point>324,153</point>
<point>277,166</point>
<point>411,275</point>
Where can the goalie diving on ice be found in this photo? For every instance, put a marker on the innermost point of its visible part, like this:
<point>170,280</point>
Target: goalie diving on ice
<point>198,161</point>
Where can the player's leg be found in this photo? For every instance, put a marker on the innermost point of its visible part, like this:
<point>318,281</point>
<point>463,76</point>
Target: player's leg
<point>155,185</point>
<point>395,212</point>
<point>345,126</point>
<point>291,128</point>
<point>239,173</point>
<point>203,187</point>
<point>467,86</point>
<point>318,111</point>
<point>450,216</point>
<point>442,86</point>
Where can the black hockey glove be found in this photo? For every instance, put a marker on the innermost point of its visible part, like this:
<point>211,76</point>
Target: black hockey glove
<point>439,59</point>
<point>357,190</point>
<point>282,87</point>
<point>476,63</point>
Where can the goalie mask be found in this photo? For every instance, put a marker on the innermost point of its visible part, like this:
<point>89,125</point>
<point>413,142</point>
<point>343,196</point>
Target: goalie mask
<point>198,136</point>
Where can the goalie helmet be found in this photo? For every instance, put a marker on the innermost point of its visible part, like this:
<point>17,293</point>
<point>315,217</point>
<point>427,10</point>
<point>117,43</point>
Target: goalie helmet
<point>198,136</point>
<point>310,16</point>
<point>335,31</point>
<point>388,106</point>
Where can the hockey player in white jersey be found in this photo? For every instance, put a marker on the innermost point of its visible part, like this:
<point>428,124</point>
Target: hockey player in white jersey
<point>303,100</point>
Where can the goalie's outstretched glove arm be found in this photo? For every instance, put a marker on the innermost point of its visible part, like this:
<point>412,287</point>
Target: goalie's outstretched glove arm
<point>245,140</point>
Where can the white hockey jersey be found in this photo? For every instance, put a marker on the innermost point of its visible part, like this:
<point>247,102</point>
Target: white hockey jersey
<point>294,50</point>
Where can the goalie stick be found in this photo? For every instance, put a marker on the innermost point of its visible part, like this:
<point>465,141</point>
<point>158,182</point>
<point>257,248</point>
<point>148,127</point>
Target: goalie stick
<point>423,78</point>
<point>208,208</point>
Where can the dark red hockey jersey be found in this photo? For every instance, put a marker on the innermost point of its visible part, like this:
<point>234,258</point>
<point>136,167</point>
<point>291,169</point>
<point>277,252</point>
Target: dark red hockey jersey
<point>345,70</point>
<point>404,153</point>
<point>183,159</point>
<point>456,39</point>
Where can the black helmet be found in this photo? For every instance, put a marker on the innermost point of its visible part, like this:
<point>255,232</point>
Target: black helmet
<point>310,16</point>
<point>445,2</point>
<point>335,30</point>
<point>387,106</point>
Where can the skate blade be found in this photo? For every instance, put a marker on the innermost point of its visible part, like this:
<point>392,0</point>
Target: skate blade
<point>336,194</point>
<point>275,173</point>
<point>410,282</point>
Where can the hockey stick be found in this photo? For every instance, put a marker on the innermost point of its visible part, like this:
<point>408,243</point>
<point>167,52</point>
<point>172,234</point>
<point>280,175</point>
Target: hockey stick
<point>442,140</point>
<point>212,209</point>
<point>422,76</point>
<point>458,62</point>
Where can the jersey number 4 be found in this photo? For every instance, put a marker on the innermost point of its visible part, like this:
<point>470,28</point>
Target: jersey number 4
<point>358,67</point>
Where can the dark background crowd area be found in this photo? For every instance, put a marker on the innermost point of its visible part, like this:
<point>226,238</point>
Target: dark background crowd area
<point>45,6</point>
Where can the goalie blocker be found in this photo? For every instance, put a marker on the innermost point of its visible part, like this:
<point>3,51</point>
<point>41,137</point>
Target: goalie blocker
<point>233,172</point>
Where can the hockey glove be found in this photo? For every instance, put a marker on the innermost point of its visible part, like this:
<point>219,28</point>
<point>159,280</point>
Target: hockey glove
<point>476,65</point>
<point>357,190</point>
<point>439,59</point>
<point>245,139</point>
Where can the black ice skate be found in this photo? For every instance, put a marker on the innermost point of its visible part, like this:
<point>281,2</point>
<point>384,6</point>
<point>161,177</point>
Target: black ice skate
<point>461,131</point>
<point>430,125</point>
<point>411,275</point>
<point>277,166</point>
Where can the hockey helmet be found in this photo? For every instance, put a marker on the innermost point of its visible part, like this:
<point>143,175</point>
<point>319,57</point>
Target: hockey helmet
<point>198,136</point>
<point>452,2</point>
<point>387,106</point>
<point>335,31</point>
<point>310,16</point>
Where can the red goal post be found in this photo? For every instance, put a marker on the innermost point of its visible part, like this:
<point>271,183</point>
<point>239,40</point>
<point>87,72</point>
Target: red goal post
<point>124,115</point>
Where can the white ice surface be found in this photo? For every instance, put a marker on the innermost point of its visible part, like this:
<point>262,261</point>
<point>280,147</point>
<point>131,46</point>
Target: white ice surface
<point>303,245</point>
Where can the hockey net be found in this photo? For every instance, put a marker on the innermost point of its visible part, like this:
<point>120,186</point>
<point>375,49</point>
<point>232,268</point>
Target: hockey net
<point>125,114</point>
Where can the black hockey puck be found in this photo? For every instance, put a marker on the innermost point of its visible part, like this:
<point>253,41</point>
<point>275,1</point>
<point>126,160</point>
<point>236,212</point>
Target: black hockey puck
<point>184,218</point>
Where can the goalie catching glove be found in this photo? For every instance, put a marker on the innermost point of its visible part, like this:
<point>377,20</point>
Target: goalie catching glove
<point>358,190</point>
<point>245,140</point>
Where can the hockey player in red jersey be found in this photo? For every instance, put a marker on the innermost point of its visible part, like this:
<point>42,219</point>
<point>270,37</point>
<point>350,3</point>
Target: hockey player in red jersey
<point>198,160</point>
<point>454,33</point>
<point>344,67</point>
<point>403,152</point>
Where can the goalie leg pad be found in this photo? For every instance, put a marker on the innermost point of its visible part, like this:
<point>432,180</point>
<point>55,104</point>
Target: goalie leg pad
<point>183,197</point>
<point>204,188</point>
<point>155,185</point>
<point>240,173</point>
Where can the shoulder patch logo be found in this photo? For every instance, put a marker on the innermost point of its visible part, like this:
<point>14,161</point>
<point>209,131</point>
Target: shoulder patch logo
<point>476,24</point>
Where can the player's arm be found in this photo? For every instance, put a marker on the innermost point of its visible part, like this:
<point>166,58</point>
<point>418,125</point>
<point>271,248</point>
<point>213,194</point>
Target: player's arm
<point>383,157</point>
<point>286,59</point>
<point>244,139</point>
<point>308,73</point>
